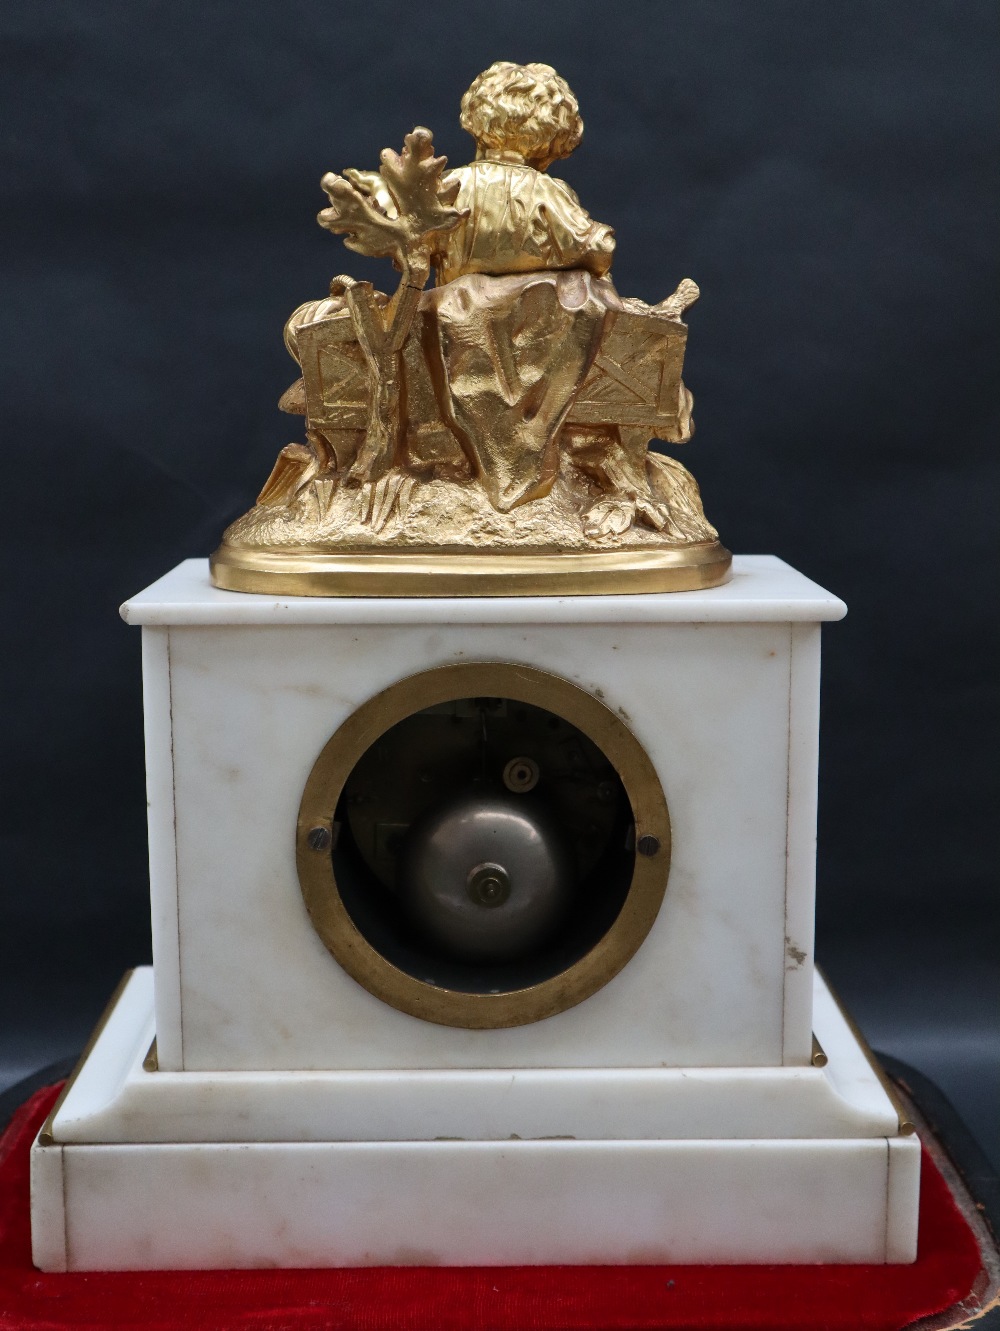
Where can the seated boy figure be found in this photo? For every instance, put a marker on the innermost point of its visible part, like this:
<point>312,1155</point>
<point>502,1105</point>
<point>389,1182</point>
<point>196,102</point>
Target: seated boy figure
<point>511,328</point>
<point>522,298</point>
<point>523,118</point>
<point>504,341</point>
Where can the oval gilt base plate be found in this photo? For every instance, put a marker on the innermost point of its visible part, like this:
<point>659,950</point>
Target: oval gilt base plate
<point>292,572</point>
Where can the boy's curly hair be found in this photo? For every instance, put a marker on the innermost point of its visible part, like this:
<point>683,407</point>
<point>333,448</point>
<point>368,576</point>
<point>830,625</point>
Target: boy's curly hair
<point>527,109</point>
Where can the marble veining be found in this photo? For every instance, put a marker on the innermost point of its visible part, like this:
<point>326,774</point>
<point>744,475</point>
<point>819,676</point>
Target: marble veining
<point>253,707</point>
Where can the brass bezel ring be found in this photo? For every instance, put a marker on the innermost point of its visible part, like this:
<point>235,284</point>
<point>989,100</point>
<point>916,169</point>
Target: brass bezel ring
<point>449,1007</point>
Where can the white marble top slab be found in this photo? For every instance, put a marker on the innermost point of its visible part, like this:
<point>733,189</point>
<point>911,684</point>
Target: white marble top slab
<point>762,589</point>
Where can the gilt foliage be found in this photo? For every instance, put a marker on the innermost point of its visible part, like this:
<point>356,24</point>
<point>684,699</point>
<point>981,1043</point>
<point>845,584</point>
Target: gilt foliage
<point>410,185</point>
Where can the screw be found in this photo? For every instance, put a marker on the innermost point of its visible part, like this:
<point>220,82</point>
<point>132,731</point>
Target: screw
<point>648,845</point>
<point>319,838</point>
<point>521,775</point>
<point>489,885</point>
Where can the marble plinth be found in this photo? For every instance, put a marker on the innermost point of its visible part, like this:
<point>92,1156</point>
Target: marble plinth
<point>152,1169</point>
<point>721,687</point>
<point>291,1118</point>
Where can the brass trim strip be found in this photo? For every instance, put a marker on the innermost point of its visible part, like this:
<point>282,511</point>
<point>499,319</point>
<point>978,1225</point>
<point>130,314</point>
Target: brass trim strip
<point>819,1058</point>
<point>906,1127</point>
<point>301,572</point>
<point>151,1062</point>
<point>45,1137</point>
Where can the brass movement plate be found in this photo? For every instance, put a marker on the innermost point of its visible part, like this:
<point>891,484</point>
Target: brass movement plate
<point>622,572</point>
<point>417,997</point>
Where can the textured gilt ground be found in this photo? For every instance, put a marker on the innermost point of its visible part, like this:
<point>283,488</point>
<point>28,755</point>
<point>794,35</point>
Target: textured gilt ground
<point>442,515</point>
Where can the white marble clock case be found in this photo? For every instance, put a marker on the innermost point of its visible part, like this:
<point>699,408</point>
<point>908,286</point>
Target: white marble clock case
<point>295,1119</point>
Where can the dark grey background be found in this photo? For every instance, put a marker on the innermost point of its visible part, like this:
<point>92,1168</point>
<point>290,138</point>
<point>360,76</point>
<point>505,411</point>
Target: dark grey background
<point>826,171</point>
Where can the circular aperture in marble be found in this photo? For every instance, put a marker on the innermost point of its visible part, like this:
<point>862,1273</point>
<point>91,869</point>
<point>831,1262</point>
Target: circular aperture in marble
<point>481,866</point>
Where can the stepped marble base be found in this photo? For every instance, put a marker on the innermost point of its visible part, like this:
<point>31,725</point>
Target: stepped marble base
<point>140,1169</point>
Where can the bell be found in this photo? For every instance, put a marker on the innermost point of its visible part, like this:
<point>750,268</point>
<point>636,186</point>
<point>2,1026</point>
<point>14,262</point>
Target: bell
<point>486,877</point>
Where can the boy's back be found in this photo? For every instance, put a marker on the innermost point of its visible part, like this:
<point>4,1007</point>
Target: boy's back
<point>521,221</point>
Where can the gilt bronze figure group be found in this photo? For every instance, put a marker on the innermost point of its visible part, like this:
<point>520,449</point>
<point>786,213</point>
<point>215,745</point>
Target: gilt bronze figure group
<point>487,433</point>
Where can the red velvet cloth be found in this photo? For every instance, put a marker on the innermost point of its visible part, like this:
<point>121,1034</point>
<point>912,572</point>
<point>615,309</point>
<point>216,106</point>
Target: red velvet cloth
<point>608,1298</point>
